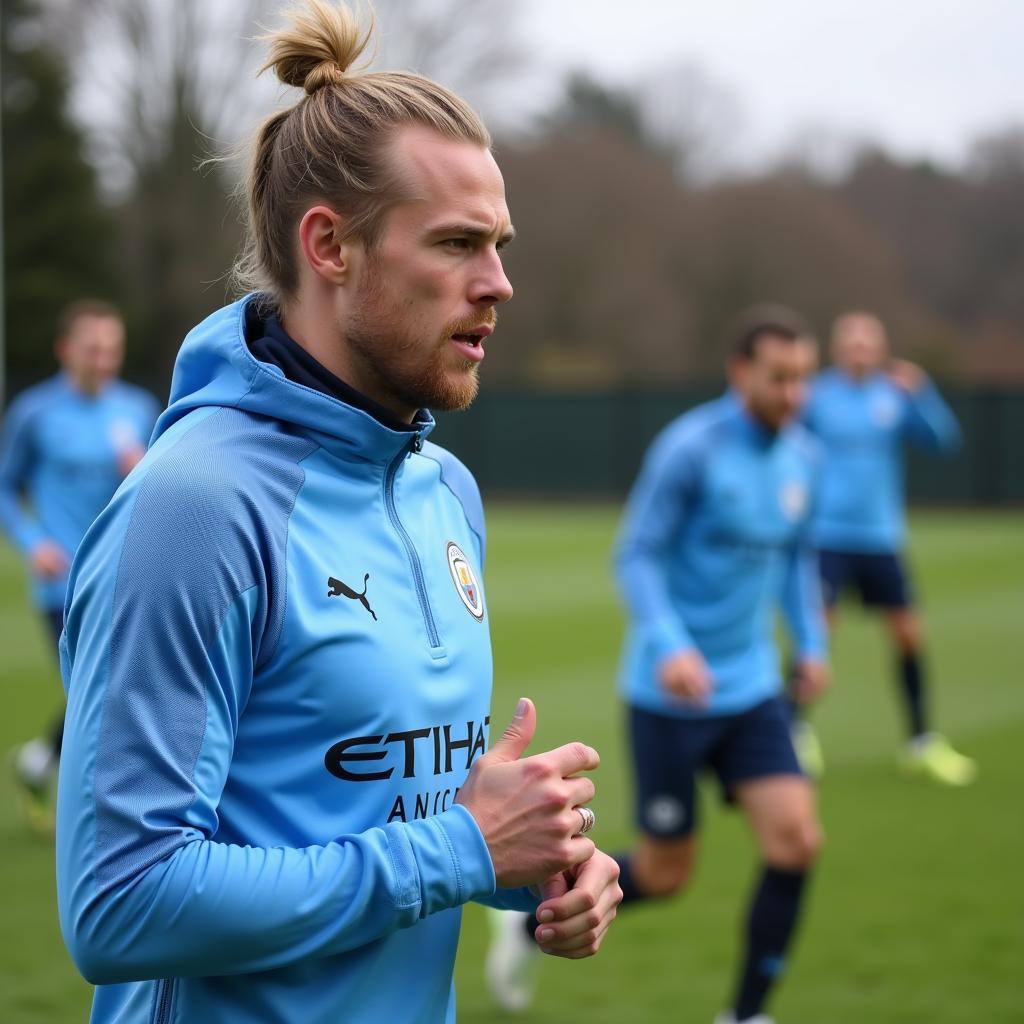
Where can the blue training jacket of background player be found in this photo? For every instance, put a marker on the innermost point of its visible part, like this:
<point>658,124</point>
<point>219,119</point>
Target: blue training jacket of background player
<point>863,426</point>
<point>59,464</point>
<point>714,539</point>
<point>279,672</point>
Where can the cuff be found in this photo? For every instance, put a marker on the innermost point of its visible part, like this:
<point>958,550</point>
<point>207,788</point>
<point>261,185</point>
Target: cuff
<point>453,862</point>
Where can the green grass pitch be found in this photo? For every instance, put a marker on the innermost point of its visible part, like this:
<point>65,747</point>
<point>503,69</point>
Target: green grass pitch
<point>917,911</point>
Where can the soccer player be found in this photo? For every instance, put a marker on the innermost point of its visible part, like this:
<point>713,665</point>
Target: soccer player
<point>277,794</point>
<point>713,541</point>
<point>67,443</point>
<point>864,409</point>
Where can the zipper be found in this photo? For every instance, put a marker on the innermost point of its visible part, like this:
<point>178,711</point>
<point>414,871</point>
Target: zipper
<point>414,559</point>
<point>164,995</point>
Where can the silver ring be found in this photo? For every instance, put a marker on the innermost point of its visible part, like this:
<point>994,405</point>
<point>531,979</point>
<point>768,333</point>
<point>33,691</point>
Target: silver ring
<point>588,819</point>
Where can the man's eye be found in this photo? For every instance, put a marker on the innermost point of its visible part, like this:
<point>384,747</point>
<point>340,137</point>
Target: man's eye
<point>456,243</point>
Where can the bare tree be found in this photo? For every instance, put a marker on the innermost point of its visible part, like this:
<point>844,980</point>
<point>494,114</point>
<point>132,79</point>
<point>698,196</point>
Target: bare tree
<point>147,73</point>
<point>475,47</point>
<point>161,85</point>
<point>693,117</point>
<point>144,68</point>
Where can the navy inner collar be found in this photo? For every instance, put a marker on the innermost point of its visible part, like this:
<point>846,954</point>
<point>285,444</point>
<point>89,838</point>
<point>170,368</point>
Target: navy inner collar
<point>269,342</point>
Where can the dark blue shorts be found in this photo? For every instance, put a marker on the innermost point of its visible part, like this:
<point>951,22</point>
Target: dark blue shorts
<point>669,751</point>
<point>880,579</point>
<point>55,620</point>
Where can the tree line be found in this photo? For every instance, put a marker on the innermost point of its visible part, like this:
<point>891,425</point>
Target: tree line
<point>631,259</point>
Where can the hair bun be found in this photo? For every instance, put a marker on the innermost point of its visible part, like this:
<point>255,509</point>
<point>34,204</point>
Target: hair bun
<point>318,45</point>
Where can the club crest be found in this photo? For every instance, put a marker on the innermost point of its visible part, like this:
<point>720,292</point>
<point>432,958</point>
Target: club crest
<point>885,410</point>
<point>793,499</point>
<point>466,583</point>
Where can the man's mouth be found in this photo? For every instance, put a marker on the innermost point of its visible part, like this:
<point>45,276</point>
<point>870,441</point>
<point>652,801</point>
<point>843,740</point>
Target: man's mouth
<point>470,343</point>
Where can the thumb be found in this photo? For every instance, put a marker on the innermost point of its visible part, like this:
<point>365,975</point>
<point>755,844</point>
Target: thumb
<point>517,735</point>
<point>555,886</point>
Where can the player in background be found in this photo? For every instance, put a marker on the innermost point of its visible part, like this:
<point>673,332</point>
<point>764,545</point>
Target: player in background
<point>67,444</point>
<point>277,791</point>
<point>714,541</point>
<point>864,410</point>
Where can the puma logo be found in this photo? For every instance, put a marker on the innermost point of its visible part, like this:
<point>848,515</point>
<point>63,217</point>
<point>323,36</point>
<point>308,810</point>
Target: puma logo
<point>339,589</point>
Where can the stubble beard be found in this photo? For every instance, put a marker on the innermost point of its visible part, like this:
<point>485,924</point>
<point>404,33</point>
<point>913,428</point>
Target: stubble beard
<point>414,373</point>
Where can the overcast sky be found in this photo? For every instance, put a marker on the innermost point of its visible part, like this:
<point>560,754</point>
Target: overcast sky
<point>922,77</point>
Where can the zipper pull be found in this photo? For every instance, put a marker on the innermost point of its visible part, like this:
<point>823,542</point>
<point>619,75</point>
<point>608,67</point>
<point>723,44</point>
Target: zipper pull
<point>417,444</point>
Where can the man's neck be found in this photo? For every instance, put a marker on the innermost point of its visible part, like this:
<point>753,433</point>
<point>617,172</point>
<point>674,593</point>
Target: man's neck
<point>86,387</point>
<point>323,339</point>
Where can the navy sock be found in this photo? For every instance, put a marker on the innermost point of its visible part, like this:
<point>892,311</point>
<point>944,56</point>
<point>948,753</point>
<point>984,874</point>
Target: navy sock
<point>57,736</point>
<point>771,921</point>
<point>911,674</point>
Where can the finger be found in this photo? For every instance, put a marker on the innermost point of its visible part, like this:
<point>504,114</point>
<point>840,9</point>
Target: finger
<point>572,758</point>
<point>579,946</point>
<point>580,849</point>
<point>593,887</point>
<point>574,904</point>
<point>512,743</point>
<point>577,941</point>
<point>580,791</point>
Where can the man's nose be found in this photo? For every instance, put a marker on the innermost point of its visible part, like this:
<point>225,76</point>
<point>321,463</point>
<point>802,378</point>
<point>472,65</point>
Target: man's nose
<point>491,286</point>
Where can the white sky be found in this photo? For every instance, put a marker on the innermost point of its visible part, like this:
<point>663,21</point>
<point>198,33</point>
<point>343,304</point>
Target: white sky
<point>922,76</point>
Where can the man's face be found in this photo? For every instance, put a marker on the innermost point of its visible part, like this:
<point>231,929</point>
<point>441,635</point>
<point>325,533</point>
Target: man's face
<point>426,297</point>
<point>859,345</point>
<point>92,351</point>
<point>773,383</point>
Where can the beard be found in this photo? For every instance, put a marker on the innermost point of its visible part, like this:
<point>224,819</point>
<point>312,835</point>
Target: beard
<point>416,372</point>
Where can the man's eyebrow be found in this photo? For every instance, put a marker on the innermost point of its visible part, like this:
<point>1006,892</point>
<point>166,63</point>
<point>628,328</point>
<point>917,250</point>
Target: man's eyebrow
<point>473,231</point>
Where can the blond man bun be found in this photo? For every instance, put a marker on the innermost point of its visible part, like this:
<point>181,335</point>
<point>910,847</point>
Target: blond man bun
<point>320,43</point>
<point>332,145</point>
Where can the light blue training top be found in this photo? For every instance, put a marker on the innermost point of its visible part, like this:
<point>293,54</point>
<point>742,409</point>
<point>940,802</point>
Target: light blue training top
<point>713,540</point>
<point>279,673</point>
<point>59,464</point>
<point>863,426</point>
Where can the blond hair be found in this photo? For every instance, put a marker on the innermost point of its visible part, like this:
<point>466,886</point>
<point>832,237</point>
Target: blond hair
<point>330,146</point>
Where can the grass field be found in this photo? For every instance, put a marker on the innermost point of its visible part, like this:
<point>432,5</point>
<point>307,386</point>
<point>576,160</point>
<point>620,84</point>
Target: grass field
<point>917,910</point>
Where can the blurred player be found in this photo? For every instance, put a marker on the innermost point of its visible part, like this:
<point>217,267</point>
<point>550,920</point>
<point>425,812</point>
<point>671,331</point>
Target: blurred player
<point>714,540</point>
<point>67,444</point>
<point>277,792</point>
<point>863,410</point>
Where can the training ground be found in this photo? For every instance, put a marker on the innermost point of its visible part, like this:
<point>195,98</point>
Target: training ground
<point>917,910</point>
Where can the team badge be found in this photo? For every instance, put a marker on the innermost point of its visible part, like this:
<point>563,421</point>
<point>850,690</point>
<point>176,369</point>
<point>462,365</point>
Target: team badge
<point>793,499</point>
<point>885,410</point>
<point>123,435</point>
<point>466,583</point>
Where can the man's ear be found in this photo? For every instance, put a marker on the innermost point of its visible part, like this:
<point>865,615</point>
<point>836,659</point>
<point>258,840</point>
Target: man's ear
<point>736,370</point>
<point>325,249</point>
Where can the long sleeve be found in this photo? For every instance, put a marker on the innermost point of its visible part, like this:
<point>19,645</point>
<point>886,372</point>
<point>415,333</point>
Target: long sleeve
<point>174,606</point>
<point>17,451</point>
<point>929,422</point>
<point>654,514</point>
<point>802,603</point>
<point>524,898</point>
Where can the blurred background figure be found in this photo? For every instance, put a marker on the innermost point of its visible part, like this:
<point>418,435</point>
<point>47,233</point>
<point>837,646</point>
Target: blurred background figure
<point>66,445</point>
<point>715,540</point>
<point>864,410</point>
